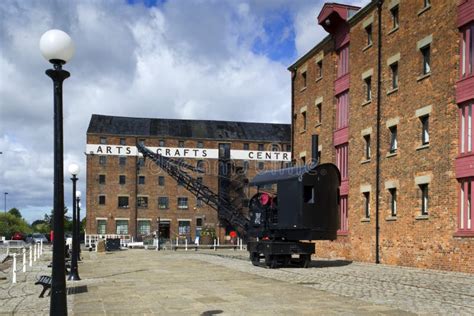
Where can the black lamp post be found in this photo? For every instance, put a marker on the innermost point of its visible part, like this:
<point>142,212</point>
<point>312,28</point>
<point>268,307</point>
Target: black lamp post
<point>57,48</point>
<point>78,224</point>
<point>74,273</point>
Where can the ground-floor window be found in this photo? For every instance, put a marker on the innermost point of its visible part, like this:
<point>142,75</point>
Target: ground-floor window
<point>101,226</point>
<point>465,209</point>
<point>121,227</point>
<point>144,227</point>
<point>184,228</point>
<point>393,201</point>
<point>424,198</point>
<point>367,204</point>
<point>343,215</point>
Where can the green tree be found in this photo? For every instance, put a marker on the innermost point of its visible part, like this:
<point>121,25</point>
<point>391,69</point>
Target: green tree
<point>41,226</point>
<point>15,212</point>
<point>48,221</point>
<point>10,224</point>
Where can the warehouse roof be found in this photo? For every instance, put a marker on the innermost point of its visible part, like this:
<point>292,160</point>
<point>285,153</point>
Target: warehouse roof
<point>204,129</point>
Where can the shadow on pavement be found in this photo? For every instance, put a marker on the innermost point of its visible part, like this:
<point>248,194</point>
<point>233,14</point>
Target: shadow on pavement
<point>212,312</point>
<point>329,263</point>
<point>77,289</point>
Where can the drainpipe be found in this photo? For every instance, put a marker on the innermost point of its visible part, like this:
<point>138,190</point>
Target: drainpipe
<point>377,162</point>
<point>293,76</point>
<point>135,215</point>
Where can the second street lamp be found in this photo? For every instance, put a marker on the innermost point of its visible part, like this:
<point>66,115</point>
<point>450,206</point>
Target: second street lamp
<point>78,224</point>
<point>74,273</point>
<point>58,48</point>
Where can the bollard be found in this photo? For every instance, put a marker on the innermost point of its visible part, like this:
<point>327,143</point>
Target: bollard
<point>31,257</point>
<point>176,242</point>
<point>34,253</point>
<point>41,247</point>
<point>215,245</point>
<point>8,250</point>
<point>157,244</point>
<point>218,243</point>
<point>186,244</point>
<point>14,269</point>
<point>241,244</point>
<point>24,260</point>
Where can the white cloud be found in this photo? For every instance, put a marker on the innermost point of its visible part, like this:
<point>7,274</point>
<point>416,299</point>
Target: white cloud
<point>185,59</point>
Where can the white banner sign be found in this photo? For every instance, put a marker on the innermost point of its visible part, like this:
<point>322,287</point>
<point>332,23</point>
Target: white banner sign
<point>260,155</point>
<point>197,153</point>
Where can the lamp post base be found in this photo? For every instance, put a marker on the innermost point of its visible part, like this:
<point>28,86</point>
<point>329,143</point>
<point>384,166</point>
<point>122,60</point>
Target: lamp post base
<point>73,276</point>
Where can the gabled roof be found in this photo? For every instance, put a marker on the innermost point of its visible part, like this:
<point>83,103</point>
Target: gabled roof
<point>341,9</point>
<point>201,129</point>
<point>352,12</point>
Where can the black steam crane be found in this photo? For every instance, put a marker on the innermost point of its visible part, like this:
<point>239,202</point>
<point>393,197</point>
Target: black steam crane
<point>292,207</point>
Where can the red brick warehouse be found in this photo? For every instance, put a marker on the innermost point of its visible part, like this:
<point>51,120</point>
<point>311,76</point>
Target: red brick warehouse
<point>131,197</point>
<point>390,93</point>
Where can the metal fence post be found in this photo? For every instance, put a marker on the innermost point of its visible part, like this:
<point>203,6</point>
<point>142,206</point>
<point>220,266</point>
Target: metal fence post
<point>14,269</point>
<point>24,260</point>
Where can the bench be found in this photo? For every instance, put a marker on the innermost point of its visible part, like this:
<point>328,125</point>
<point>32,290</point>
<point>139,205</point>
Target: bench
<point>67,265</point>
<point>45,281</point>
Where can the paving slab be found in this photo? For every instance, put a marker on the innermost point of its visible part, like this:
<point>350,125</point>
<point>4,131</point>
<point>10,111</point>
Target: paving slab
<point>174,283</point>
<point>224,282</point>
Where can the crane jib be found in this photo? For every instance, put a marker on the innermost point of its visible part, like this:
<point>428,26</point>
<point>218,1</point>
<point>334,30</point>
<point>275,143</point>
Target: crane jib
<point>174,168</point>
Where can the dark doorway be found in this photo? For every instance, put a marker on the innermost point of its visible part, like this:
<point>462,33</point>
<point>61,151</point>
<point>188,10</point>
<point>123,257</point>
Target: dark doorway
<point>165,229</point>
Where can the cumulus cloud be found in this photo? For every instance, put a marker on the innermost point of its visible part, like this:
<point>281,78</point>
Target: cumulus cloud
<point>180,59</point>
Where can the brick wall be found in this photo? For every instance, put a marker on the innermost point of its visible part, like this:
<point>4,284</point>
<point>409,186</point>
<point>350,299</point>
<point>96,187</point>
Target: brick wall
<point>408,239</point>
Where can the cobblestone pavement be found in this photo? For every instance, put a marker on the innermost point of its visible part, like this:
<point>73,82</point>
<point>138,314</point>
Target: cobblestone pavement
<point>225,282</point>
<point>416,290</point>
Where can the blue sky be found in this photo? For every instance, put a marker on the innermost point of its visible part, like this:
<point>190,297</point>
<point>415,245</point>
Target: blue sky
<point>194,59</point>
<point>147,3</point>
<point>279,44</point>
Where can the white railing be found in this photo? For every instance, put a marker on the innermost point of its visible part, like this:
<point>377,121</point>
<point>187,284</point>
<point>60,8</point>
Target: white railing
<point>35,252</point>
<point>216,245</point>
<point>92,239</point>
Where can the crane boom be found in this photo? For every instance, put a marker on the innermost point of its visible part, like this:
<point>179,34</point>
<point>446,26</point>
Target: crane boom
<point>174,168</point>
